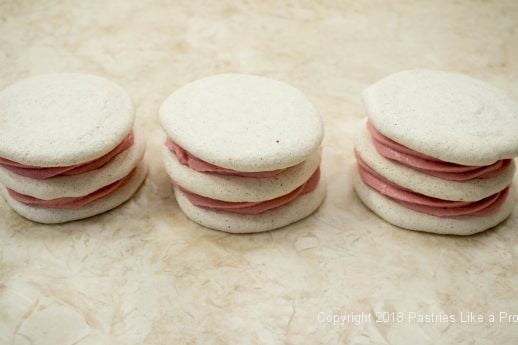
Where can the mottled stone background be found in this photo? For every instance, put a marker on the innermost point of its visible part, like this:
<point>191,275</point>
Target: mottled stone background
<point>144,274</point>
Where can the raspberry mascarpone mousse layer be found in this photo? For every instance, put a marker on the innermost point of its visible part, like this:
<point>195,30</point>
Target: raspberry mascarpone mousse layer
<point>434,167</point>
<point>197,164</point>
<point>250,208</point>
<point>43,173</point>
<point>392,150</point>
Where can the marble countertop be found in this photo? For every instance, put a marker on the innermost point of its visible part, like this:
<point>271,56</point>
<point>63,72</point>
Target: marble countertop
<point>144,274</point>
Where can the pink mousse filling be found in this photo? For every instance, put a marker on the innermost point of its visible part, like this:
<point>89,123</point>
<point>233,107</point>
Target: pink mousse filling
<point>425,204</point>
<point>40,173</point>
<point>432,166</point>
<point>253,207</point>
<point>197,164</point>
<point>71,203</point>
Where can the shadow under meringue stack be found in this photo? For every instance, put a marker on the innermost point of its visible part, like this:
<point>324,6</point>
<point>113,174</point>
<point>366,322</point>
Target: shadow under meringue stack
<point>68,149</point>
<point>436,152</point>
<point>243,152</point>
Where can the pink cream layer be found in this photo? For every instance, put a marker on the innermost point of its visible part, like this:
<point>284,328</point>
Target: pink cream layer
<point>71,203</point>
<point>392,150</point>
<point>253,207</point>
<point>425,204</point>
<point>40,173</point>
<point>197,164</point>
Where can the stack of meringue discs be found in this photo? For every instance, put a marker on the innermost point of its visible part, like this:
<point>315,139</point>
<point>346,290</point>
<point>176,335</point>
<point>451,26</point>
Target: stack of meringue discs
<point>243,152</point>
<point>68,149</point>
<point>436,152</point>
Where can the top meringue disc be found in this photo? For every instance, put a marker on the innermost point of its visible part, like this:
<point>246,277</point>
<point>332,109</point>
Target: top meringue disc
<point>242,122</point>
<point>62,119</point>
<point>448,116</point>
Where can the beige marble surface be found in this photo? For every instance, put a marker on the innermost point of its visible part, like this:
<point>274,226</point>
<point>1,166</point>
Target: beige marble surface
<point>144,274</point>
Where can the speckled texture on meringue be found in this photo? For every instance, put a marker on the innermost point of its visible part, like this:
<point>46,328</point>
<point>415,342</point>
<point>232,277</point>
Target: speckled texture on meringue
<point>449,116</point>
<point>243,122</point>
<point>62,119</point>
